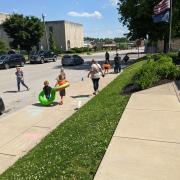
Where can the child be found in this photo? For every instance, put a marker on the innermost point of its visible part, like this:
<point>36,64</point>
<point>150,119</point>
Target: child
<point>20,78</point>
<point>62,93</point>
<point>106,67</point>
<point>47,89</point>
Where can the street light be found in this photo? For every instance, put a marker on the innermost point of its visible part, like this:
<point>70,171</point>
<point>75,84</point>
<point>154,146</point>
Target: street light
<point>45,29</point>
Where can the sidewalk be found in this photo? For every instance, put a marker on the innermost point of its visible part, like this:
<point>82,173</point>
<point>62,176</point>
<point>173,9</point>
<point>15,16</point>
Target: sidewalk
<point>22,130</point>
<point>146,143</point>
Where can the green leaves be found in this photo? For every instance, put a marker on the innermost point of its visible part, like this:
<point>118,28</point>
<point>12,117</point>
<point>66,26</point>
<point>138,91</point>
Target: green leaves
<point>52,44</point>
<point>25,31</point>
<point>158,67</point>
<point>137,15</point>
<point>2,47</point>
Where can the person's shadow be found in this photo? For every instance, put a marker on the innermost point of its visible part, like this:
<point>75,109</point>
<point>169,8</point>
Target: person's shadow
<point>10,92</point>
<point>81,96</point>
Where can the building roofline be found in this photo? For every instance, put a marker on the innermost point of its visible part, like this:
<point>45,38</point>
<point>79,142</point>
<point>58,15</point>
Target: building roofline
<point>64,21</point>
<point>5,13</point>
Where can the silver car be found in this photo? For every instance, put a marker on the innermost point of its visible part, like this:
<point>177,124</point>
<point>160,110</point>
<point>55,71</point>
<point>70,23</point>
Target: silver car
<point>72,60</point>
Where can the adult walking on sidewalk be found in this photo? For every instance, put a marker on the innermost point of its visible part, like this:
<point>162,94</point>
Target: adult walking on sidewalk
<point>95,73</point>
<point>117,64</point>
<point>20,78</point>
<point>107,56</point>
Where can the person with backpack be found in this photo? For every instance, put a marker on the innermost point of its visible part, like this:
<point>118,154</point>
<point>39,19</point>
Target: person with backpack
<point>117,64</point>
<point>95,73</point>
<point>126,58</point>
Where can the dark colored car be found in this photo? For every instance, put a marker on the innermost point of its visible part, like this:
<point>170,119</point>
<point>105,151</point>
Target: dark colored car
<point>2,107</point>
<point>11,60</point>
<point>42,57</point>
<point>72,60</point>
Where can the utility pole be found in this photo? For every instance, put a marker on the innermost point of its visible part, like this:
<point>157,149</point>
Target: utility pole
<point>45,29</point>
<point>170,26</point>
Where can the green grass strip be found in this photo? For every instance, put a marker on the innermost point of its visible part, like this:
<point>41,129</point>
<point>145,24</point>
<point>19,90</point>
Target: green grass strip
<point>75,148</point>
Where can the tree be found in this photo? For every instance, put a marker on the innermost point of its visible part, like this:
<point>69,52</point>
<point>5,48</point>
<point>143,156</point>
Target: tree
<point>2,47</point>
<point>52,44</point>
<point>25,31</point>
<point>137,16</point>
<point>121,40</point>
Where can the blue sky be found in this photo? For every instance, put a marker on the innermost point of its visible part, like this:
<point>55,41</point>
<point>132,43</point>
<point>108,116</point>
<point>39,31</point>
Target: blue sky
<point>99,17</point>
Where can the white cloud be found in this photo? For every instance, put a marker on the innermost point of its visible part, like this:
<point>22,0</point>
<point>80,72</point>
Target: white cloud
<point>95,14</point>
<point>114,2</point>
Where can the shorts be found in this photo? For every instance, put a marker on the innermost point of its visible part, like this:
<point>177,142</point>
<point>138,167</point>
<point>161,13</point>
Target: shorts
<point>62,92</point>
<point>48,96</point>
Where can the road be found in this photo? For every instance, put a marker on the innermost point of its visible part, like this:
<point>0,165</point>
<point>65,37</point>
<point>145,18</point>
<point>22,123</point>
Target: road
<point>35,75</point>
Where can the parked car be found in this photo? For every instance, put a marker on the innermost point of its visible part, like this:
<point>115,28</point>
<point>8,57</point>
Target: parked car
<point>72,60</point>
<point>42,57</point>
<point>11,60</point>
<point>2,107</point>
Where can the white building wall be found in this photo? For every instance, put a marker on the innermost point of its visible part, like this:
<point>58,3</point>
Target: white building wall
<point>74,34</point>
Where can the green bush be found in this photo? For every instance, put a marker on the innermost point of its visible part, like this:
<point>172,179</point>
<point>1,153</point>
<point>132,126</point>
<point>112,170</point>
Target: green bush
<point>81,50</point>
<point>158,67</point>
<point>2,47</point>
<point>70,52</point>
<point>172,54</point>
<point>147,75</point>
<point>165,68</point>
<point>178,74</point>
<point>58,51</point>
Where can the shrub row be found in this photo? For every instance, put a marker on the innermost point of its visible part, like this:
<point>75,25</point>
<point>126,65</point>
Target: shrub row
<point>158,67</point>
<point>78,50</point>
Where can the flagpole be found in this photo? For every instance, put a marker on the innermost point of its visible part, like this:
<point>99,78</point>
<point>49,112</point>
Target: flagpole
<point>170,27</point>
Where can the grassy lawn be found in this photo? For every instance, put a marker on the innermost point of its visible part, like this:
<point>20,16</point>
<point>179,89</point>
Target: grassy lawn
<point>75,149</point>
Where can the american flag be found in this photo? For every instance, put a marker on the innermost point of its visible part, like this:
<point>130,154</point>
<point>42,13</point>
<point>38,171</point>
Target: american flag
<point>162,6</point>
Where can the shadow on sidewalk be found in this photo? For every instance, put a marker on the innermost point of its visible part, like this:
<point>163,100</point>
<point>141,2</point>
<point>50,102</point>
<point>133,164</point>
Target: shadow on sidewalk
<point>81,96</point>
<point>177,84</point>
<point>40,105</point>
<point>10,92</point>
<point>14,91</point>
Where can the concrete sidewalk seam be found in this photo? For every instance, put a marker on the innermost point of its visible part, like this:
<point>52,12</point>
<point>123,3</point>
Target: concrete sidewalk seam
<point>156,94</point>
<point>42,127</point>
<point>151,140</point>
<point>12,155</point>
<point>160,110</point>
